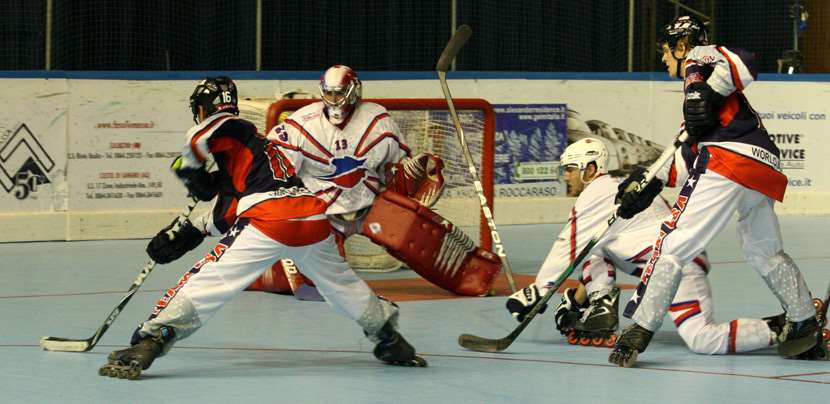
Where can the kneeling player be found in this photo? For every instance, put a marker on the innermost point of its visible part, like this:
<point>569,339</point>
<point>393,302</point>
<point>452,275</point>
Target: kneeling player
<point>277,217</point>
<point>627,247</point>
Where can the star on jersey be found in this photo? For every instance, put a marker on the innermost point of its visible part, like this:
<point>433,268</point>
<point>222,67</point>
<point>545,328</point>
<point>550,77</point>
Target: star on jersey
<point>691,183</point>
<point>348,172</point>
<point>234,231</point>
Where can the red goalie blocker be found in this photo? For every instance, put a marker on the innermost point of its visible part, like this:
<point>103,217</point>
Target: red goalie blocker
<point>430,245</point>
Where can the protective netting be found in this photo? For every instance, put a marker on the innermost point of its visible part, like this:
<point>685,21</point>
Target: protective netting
<point>423,130</point>
<point>389,34</point>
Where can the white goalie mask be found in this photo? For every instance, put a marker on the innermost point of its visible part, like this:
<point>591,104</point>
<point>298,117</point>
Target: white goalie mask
<point>584,151</point>
<point>340,90</point>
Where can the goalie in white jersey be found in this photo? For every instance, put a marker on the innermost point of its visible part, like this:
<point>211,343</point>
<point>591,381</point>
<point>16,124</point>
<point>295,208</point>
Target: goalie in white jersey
<point>350,153</point>
<point>626,247</point>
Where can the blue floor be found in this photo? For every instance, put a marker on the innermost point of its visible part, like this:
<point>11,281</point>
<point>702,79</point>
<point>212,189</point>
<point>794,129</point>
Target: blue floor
<point>270,348</point>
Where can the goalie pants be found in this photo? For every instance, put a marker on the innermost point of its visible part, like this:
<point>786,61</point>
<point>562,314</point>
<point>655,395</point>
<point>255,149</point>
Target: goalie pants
<point>705,205</point>
<point>243,254</point>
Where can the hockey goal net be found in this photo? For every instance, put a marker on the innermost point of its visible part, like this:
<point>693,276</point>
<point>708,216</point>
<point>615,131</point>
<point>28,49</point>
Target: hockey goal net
<point>426,126</point>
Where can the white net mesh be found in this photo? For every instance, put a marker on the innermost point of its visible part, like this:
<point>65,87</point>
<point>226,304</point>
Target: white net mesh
<point>423,130</point>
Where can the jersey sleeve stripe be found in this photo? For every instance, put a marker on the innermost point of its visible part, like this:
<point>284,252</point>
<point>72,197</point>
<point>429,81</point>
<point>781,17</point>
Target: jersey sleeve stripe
<point>198,143</point>
<point>573,234</point>
<point>299,149</point>
<point>309,137</point>
<point>733,70</point>
<point>733,334</point>
<point>368,130</point>
<point>361,153</point>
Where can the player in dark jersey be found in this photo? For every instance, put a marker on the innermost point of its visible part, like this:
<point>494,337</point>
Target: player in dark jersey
<point>734,168</point>
<point>275,216</point>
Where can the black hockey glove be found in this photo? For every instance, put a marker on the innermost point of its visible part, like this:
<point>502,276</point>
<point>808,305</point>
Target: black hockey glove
<point>162,249</point>
<point>519,304</point>
<point>201,184</point>
<point>701,110</point>
<point>633,202</point>
<point>569,311</point>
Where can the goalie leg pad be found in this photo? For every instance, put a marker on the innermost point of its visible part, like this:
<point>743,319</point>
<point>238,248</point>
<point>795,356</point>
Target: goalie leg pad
<point>430,245</point>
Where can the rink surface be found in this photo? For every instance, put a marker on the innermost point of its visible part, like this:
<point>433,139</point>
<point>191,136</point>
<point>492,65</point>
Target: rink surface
<point>270,348</point>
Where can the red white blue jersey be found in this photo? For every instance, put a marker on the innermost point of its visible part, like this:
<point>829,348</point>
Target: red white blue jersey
<point>740,148</point>
<point>255,179</point>
<point>343,164</point>
<point>627,244</point>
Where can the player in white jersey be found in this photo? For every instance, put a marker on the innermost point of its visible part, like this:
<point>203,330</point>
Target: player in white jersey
<point>625,247</point>
<point>731,166</point>
<point>350,153</point>
<point>276,217</point>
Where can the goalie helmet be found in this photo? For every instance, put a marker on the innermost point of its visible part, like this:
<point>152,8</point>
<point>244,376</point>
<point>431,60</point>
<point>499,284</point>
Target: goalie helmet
<point>684,26</point>
<point>340,90</point>
<point>214,94</point>
<point>583,152</point>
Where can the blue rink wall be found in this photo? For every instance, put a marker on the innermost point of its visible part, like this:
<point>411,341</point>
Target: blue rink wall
<point>84,154</point>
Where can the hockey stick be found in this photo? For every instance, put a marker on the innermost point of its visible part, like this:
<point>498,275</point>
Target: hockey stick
<point>83,345</point>
<point>481,344</point>
<point>453,47</point>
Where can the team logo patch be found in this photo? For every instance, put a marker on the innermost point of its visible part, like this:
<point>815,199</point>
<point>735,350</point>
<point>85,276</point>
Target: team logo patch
<point>348,172</point>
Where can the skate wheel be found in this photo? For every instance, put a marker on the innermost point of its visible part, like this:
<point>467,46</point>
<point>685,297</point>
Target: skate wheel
<point>598,342</point>
<point>819,304</point>
<point>584,341</point>
<point>611,341</point>
<point>102,371</point>
<point>572,338</point>
<point>825,334</point>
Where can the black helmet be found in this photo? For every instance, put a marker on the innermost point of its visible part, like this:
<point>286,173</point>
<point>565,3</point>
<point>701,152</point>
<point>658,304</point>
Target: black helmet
<point>684,26</point>
<point>214,94</point>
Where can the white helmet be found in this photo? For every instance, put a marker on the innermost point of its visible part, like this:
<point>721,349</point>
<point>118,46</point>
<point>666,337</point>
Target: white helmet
<point>585,151</point>
<point>340,90</point>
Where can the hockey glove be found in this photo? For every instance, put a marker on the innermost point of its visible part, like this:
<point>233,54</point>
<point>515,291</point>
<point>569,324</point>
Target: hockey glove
<point>163,249</point>
<point>569,311</point>
<point>522,302</point>
<point>632,201</point>
<point>201,184</point>
<point>701,110</point>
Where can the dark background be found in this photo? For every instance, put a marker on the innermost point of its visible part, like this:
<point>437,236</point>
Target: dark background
<point>509,35</point>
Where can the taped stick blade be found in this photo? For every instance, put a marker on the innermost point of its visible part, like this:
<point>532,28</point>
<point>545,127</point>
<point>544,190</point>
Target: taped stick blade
<point>64,345</point>
<point>480,344</point>
<point>453,47</point>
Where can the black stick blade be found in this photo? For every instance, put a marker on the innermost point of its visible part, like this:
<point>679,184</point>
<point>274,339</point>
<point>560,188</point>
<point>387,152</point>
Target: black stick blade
<point>480,344</point>
<point>453,47</point>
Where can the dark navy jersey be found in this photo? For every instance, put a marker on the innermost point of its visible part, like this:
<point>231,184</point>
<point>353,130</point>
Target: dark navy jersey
<point>255,179</point>
<point>740,147</point>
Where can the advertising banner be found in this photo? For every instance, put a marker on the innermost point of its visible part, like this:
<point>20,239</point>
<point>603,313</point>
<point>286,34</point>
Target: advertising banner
<point>33,146</point>
<point>529,140</point>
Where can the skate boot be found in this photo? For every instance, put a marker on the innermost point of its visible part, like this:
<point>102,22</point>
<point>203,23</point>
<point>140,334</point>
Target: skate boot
<point>394,350</point>
<point>798,337</point>
<point>599,323</point>
<point>632,341</point>
<point>128,363</point>
<point>821,351</point>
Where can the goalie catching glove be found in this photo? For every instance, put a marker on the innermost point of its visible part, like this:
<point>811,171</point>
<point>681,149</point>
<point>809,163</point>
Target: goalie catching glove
<point>168,245</point>
<point>417,177</point>
<point>430,245</point>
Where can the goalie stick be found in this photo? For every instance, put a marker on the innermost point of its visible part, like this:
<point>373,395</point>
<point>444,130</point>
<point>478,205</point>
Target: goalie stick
<point>83,345</point>
<point>481,344</point>
<point>453,47</point>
